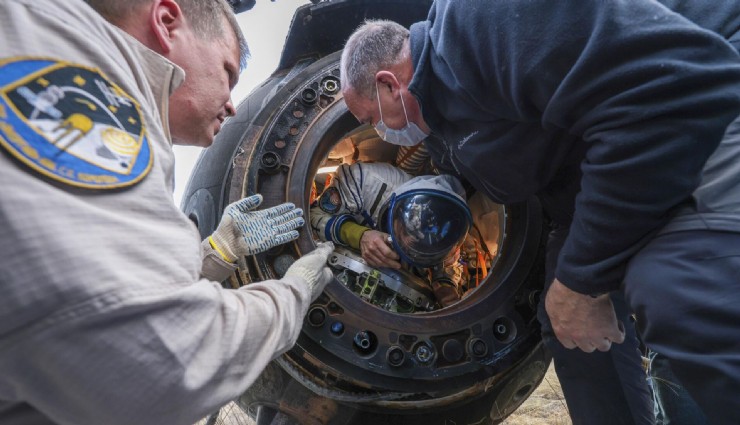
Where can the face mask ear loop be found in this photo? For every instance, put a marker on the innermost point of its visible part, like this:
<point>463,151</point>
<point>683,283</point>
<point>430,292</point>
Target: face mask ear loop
<point>377,95</point>
<point>402,105</point>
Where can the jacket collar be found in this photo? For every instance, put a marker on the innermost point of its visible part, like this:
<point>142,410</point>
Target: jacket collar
<point>162,76</point>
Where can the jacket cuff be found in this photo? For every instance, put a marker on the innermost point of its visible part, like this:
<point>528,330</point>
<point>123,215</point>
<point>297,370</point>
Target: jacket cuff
<point>579,281</point>
<point>214,267</point>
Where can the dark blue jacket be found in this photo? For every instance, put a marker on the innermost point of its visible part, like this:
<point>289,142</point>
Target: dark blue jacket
<point>605,110</point>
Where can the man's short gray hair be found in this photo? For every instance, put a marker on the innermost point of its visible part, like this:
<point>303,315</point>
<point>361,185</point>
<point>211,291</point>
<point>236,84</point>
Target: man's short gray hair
<point>375,45</point>
<point>205,16</point>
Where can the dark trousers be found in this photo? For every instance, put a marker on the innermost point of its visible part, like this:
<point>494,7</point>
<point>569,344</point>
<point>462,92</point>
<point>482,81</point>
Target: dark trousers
<point>600,388</point>
<point>684,288</point>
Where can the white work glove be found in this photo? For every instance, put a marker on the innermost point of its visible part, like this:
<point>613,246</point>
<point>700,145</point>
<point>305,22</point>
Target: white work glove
<point>313,269</point>
<point>244,232</point>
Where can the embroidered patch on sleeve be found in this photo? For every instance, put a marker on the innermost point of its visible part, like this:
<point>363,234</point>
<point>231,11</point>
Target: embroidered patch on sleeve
<point>71,124</point>
<point>330,201</point>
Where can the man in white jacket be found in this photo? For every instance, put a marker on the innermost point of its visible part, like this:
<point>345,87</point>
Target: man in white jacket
<point>105,316</point>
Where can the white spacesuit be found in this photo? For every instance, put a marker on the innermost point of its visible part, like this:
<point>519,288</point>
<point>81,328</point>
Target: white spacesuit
<point>426,218</point>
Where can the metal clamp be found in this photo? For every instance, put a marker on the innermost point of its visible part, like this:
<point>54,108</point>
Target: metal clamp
<point>391,279</point>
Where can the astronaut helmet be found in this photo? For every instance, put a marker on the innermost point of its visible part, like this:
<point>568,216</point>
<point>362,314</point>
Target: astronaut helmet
<point>428,219</point>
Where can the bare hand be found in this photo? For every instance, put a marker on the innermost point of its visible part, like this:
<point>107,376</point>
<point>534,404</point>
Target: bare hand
<point>376,250</point>
<point>581,320</point>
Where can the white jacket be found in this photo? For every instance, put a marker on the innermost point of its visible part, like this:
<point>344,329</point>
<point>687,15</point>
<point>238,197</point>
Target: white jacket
<point>103,316</point>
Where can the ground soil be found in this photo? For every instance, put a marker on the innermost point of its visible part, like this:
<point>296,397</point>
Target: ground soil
<point>546,405</point>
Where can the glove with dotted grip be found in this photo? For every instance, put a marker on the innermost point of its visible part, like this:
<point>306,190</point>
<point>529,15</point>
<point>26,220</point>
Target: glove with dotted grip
<point>243,231</point>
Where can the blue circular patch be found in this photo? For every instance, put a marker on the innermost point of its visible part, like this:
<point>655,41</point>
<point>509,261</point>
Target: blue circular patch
<point>71,124</point>
<point>330,201</point>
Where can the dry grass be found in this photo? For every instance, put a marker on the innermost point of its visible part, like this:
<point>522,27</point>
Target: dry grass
<point>546,406</point>
<point>231,414</point>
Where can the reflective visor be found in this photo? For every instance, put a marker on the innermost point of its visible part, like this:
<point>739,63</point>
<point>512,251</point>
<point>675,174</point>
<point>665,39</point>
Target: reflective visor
<point>427,225</point>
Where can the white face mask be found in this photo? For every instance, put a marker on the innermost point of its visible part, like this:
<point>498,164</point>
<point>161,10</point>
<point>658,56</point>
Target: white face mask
<point>410,135</point>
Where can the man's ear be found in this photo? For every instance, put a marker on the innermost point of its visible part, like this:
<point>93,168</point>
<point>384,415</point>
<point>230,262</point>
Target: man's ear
<point>386,80</point>
<point>166,20</point>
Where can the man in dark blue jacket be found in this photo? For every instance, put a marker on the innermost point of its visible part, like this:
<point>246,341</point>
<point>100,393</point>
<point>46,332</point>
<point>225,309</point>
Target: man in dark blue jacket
<point>607,112</point>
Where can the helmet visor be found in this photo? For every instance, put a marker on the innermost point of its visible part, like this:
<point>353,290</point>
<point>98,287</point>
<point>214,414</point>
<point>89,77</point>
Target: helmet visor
<point>427,225</point>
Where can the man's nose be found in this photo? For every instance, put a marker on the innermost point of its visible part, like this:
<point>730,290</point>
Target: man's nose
<point>230,109</point>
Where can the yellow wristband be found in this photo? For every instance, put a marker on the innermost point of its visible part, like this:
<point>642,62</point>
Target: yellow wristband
<point>221,253</point>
